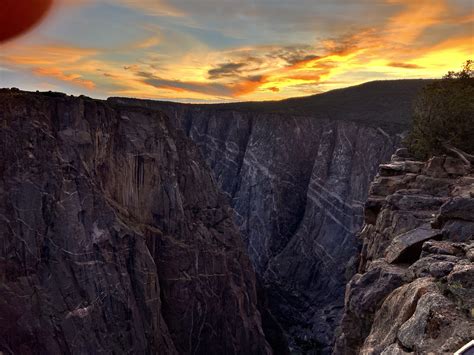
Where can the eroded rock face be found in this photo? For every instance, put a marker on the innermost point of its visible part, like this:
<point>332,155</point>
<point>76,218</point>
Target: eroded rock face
<point>429,309</point>
<point>298,186</point>
<point>114,238</point>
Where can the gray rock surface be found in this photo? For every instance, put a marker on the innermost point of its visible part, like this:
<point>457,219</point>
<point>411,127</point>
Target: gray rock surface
<point>297,173</point>
<point>114,237</point>
<point>429,310</point>
<point>298,186</point>
<point>408,245</point>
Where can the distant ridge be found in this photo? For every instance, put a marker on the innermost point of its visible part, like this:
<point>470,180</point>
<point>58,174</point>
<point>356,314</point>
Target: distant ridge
<point>385,103</point>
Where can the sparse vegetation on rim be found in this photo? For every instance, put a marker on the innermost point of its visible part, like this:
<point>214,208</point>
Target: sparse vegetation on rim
<point>444,115</point>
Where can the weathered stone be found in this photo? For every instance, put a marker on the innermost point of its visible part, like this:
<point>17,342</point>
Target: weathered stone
<point>398,307</point>
<point>372,209</point>
<point>364,295</point>
<point>390,223</point>
<point>436,325</point>
<point>387,185</point>
<point>435,167</point>
<point>407,247</point>
<point>401,168</point>
<point>461,284</point>
<point>455,167</point>
<point>116,244</point>
<point>423,266</point>
<point>441,247</point>
<point>456,208</point>
<point>394,349</point>
<point>433,186</point>
<point>470,254</point>
<point>406,200</point>
<point>441,269</point>
<point>464,187</point>
<point>458,230</point>
<point>434,319</point>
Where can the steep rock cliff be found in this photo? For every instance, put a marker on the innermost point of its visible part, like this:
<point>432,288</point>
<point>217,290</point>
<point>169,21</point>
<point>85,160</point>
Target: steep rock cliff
<point>414,291</point>
<point>297,173</point>
<point>113,236</point>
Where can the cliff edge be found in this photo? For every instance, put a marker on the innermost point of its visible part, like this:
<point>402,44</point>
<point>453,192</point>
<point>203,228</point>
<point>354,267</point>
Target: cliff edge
<point>414,292</point>
<point>114,237</point>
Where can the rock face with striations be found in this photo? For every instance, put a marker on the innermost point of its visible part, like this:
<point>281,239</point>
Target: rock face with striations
<point>414,292</point>
<point>113,236</point>
<point>297,173</point>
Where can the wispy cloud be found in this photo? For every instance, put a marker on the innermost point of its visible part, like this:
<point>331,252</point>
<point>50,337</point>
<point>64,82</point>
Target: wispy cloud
<point>225,50</point>
<point>60,75</point>
<point>404,65</point>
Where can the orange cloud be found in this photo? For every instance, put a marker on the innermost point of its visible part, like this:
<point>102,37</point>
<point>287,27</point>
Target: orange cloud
<point>392,49</point>
<point>249,86</point>
<point>148,43</point>
<point>60,75</point>
<point>416,16</point>
<point>46,55</point>
<point>404,65</point>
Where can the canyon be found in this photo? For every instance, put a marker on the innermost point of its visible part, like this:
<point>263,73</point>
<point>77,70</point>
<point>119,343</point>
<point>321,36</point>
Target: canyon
<point>157,227</point>
<point>297,173</point>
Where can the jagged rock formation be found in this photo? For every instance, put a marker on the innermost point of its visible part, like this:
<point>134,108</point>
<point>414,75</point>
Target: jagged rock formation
<point>414,292</point>
<point>297,173</point>
<point>113,236</point>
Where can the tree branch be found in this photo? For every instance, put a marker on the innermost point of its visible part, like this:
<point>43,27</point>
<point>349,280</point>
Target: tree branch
<point>465,157</point>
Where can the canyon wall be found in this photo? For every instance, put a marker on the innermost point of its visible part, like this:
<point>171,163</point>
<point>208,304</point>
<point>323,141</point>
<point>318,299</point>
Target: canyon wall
<point>414,290</point>
<point>114,237</point>
<point>297,173</point>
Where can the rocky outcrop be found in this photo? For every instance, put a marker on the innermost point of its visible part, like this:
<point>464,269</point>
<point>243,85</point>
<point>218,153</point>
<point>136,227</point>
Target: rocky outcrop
<point>414,290</point>
<point>297,173</point>
<point>113,236</point>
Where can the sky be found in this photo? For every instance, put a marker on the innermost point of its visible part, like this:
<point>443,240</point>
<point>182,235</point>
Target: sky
<point>236,50</point>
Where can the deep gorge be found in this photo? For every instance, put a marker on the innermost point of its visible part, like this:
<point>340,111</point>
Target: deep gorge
<point>128,220</point>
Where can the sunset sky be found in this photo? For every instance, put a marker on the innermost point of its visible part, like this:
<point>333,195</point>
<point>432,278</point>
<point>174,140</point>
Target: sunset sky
<point>228,50</point>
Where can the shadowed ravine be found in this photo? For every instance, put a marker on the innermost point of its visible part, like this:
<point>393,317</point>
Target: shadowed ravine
<point>297,174</point>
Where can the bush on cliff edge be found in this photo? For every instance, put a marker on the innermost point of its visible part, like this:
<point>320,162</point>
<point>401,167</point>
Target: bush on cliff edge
<point>444,115</point>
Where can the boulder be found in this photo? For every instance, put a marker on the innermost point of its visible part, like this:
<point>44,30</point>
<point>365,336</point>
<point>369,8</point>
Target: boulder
<point>412,200</point>
<point>461,284</point>
<point>470,254</point>
<point>435,167</point>
<point>456,208</point>
<point>441,247</point>
<point>436,326</point>
<point>406,248</point>
<point>364,295</point>
<point>464,187</point>
<point>455,167</point>
<point>401,168</point>
<point>458,230</point>
<point>423,266</point>
<point>441,269</point>
<point>398,307</point>
<point>432,185</point>
<point>386,185</point>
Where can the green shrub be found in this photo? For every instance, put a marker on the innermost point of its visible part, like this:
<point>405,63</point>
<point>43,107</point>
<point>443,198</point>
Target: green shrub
<point>444,115</point>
